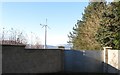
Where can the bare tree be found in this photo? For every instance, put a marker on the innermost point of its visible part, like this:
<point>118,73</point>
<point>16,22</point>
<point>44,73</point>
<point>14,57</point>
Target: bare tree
<point>21,38</point>
<point>38,44</point>
<point>15,37</point>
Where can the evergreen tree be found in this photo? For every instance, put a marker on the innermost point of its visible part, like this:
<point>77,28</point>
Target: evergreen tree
<point>109,33</point>
<point>83,35</point>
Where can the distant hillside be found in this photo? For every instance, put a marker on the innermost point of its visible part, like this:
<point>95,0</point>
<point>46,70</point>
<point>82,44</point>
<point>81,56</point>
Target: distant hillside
<point>52,47</point>
<point>67,46</point>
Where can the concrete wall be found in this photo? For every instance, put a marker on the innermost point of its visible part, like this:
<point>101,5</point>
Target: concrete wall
<point>113,60</point>
<point>83,61</point>
<point>95,54</point>
<point>0,59</point>
<point>94,59</point>
<point>16,59</point>
<point>119,61</point>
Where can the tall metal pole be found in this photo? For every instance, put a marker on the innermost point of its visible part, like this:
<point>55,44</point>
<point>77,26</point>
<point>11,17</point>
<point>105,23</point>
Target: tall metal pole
<point>31,40</point>
<point>45,33</point>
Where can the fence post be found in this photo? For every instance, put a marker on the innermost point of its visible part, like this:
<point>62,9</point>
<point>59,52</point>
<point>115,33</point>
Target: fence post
<point>105,67</point>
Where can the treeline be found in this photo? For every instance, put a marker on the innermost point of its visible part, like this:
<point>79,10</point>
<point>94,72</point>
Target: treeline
<point>99,27</point>
<point>16,37</point>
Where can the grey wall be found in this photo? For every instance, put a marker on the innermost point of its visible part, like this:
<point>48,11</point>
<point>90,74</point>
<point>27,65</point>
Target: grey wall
<point>0,59</point>
<point>119,61</point>
<point>77,61</point>
<point>16,59</point>
<point>95,54</point>
<point>93,60</point>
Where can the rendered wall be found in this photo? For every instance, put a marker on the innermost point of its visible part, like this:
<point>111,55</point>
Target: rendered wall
<point>113,61</point>
<point>0,59</point>
<point>83,61</point>
<point>16,59</point>
<point>119,61</point>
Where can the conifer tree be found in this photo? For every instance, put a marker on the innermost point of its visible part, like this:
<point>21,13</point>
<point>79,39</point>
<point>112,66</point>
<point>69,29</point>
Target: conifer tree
<point>83,35</point>
<point>109,33</point>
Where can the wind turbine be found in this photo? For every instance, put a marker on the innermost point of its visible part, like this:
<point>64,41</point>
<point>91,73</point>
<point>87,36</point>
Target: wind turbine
<point>46,26</point>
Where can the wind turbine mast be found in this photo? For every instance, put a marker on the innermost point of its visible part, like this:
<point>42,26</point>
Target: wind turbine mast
<point>45,47</point>
<point>46,35</point>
